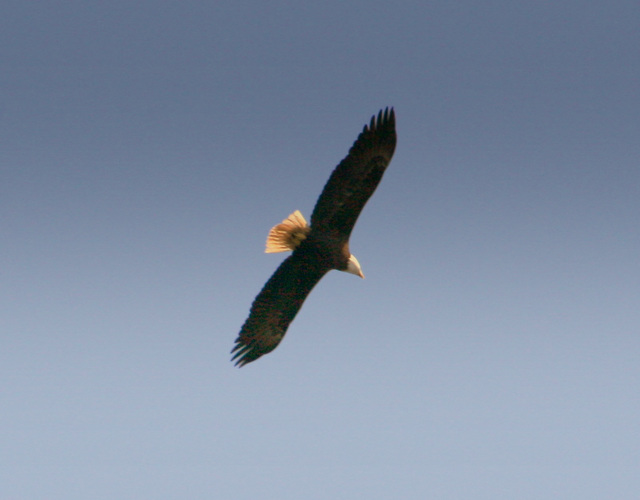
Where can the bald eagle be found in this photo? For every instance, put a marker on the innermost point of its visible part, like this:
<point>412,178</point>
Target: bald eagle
<point>320,247</point>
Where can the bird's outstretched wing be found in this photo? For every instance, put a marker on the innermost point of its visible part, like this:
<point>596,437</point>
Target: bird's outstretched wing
<point>276,305</point>
<point>356,177</point>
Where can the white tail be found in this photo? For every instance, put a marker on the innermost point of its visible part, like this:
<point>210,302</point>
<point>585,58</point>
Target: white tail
<point>288,234</point>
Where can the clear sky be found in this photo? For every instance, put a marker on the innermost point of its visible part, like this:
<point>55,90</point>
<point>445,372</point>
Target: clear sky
<point>493,351</point>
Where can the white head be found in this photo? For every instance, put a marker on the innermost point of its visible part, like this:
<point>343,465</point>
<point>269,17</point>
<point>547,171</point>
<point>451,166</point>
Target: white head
<point>353,266</point>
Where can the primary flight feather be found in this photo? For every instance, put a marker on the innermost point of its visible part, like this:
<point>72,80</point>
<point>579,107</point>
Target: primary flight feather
<point>320,247</point>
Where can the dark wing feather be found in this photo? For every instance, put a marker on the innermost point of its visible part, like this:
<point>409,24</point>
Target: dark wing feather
<point>356,177</point>
<point>276,305</point>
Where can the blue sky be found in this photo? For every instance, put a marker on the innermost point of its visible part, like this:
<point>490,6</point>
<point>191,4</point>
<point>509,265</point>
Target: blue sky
<point>491,352</point>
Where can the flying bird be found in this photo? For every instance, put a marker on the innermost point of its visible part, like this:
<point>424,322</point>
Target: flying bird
<point>321,246</point>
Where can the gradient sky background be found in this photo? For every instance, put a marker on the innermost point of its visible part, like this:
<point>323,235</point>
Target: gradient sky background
<point>493,350</point>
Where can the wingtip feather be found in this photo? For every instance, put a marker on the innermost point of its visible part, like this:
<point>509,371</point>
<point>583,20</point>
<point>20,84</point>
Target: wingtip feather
<point>385,118</point>
<point>241,357</point>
